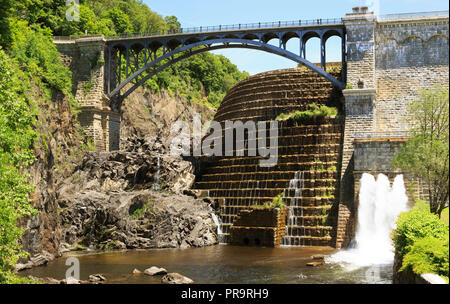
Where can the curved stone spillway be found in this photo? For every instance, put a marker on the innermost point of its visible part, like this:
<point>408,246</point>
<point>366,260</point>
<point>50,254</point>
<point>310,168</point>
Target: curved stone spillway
<point>264,96</point>
<point>308,151</point>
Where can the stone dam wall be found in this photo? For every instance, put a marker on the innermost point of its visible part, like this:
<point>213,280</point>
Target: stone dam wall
<point>387,63</point>
<point>410,55</point>
<point>237,183</point>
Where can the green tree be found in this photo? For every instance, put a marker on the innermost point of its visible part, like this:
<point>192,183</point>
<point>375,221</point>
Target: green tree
<point>34,50</point>
<point>173,25</point>
<point>8,9</point>
<point>16,140</point>
<point>121,21</point>
<point>426,152</point>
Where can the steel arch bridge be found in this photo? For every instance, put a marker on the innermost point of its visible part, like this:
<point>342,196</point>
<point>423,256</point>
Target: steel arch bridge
<point>145,56</point>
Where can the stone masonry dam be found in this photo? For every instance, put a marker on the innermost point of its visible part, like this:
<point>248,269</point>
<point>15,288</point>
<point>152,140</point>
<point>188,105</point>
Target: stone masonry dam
<point>310,151</point>
<point>386,61</point>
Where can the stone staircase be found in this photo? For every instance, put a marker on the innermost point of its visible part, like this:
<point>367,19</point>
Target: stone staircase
<point>239,182</point>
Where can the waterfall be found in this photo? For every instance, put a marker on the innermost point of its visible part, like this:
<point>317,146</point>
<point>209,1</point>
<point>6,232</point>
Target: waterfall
<point>219,227</point>
<point>296,184</point>
<point>379,207</point>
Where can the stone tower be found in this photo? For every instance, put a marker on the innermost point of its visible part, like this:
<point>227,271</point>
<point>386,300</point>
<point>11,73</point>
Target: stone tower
<point>85,58</point>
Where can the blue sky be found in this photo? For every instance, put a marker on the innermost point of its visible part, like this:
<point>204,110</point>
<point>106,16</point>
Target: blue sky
<point>192,13</point>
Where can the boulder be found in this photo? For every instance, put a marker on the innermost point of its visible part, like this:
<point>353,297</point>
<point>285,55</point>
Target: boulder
<point>176,278</point>
<point>70,280</point>
<point>136,271</point>
<point>94,278</point>
<point>319,257</point>
<point>152,271</point>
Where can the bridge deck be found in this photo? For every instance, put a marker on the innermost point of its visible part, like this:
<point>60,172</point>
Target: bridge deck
<point>221,32</point>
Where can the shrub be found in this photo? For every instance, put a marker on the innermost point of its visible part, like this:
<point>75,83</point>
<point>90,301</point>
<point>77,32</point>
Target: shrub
<point>16,140</point>
<point>421,241</point>
<point>415,225</point>
<point>37,55</point>
<point>309,115</point>
<point>277,202</point>
<point>428,255</point>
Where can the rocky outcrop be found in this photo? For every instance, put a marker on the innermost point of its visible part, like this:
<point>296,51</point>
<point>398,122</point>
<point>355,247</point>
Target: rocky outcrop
<point>126,200</point>
<point>131,198</point>
<point>126,171</point>
<point>58,148</point>
<point>137,219</point>
<point>118,200</point>
<point>149,114</point>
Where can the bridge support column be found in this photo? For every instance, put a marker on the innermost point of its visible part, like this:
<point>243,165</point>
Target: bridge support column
<point>323,59</point>
<point>359,109</point>
<point>86,59</point>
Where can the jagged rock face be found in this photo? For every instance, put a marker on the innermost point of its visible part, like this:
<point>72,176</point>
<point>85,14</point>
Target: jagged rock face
<point>109,203</point>
<point>146,114</point>
<point>124,199</point>
<point>112,221</point>
<point>57,151</point>
<point>125,171</point>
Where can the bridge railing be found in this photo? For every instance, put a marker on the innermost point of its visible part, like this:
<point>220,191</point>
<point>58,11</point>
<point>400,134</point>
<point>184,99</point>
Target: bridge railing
<point>235,27</point>
<point>65,38</point>
<point>259,25</point>
<point>382,134</point>
<point>412,15</point>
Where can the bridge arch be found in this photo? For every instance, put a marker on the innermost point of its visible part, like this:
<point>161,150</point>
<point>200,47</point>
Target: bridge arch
<point>194,48</point>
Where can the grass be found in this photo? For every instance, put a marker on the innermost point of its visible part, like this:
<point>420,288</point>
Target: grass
<point>277,202</point>
<point>314,112</point>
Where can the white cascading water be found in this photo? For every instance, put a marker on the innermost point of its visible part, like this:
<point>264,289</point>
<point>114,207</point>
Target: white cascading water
<point>221,239</point>
<point>379,207</point>
<point>296,184</point>
<point>217,223</point>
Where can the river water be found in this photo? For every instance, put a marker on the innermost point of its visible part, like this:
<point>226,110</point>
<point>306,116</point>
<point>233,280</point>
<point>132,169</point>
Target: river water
<point>219,264</point>
<point>368,261</point>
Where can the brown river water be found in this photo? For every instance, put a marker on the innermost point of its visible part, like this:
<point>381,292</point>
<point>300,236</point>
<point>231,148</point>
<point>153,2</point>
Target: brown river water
<point>220,264</point>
